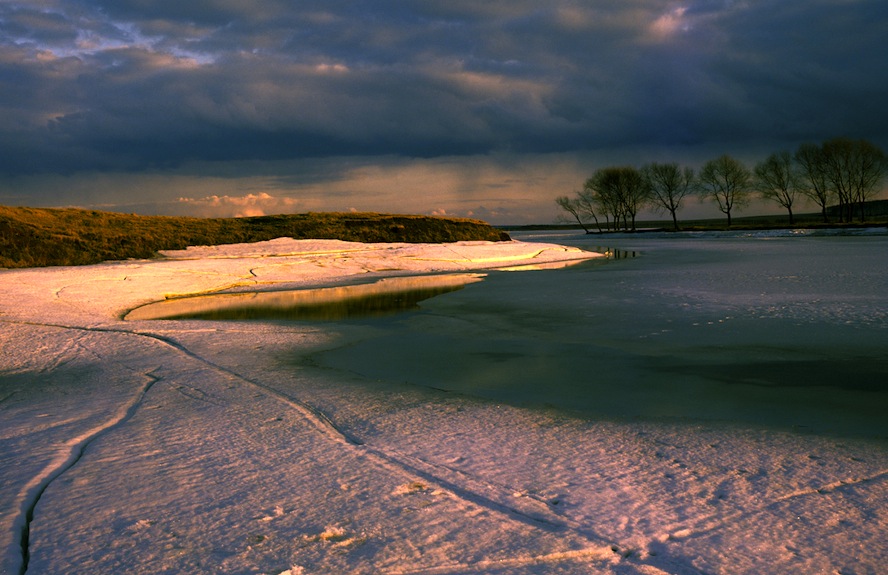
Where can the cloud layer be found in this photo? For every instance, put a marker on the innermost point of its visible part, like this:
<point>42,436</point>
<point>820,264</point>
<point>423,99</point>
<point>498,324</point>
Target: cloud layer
<point>129,86</point>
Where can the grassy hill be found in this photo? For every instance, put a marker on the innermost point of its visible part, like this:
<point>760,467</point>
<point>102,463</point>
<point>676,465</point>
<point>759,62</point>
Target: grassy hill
<point>36,237</point>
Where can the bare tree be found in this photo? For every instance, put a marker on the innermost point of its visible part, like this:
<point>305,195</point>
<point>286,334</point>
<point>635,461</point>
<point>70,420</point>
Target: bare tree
<point>847,171</point>
<point>812,178</point>
<point>727,181</point>
<point>838,159</point>
<point>621,191</point>
<point>776,179</point>
<point>603,192</point>
<point>855,169</point>
<point>635,193</point>
<point>669,184</point>
<point>871,167</point>
<point>576,208</point>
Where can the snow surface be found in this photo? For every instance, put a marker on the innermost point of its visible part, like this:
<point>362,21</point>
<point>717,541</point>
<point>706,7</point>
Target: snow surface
<point>204,447</point>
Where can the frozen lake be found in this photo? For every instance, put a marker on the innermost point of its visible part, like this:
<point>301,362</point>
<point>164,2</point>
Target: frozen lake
<point>774,329</point>
<point>712,405</point>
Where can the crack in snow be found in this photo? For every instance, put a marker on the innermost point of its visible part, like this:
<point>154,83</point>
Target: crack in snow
<point>493,496</point>
<point>528,510</point>
<point>31,494</point>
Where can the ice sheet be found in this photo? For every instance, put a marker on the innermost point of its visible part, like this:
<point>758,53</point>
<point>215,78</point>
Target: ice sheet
<point>214,447</point>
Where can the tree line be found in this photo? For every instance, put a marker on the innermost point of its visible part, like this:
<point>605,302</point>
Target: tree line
<point>840,171</point>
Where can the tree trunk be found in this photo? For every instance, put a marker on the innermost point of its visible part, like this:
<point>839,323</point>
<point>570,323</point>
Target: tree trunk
<point>597,223</point>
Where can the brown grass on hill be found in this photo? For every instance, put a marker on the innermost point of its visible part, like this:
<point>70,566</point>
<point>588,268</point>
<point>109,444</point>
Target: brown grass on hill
<point>36,237</point>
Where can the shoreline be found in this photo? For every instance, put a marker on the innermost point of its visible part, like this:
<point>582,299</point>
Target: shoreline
<point>644,227</point>
<point>106,291</point>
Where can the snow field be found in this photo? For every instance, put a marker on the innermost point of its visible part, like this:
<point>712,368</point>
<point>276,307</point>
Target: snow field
<point>212,447</point>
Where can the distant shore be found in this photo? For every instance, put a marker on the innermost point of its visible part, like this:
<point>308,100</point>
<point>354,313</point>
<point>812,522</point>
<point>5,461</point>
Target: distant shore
<point>41,237</point>
<point>739,224</point>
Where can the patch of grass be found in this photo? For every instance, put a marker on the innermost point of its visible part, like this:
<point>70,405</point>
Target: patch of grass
<point>37,237</point>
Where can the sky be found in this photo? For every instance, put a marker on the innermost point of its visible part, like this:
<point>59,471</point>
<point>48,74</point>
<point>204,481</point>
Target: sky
<point>451,107</point>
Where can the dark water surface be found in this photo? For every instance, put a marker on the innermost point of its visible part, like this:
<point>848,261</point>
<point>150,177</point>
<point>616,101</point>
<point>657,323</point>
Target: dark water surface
<point>385,297</point>
<point>789,331</point>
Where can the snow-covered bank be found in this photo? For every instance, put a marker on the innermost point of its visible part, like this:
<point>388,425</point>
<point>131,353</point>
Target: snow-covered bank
<point>213,447</point>
<point>67,375</point>
<point>95,294</point>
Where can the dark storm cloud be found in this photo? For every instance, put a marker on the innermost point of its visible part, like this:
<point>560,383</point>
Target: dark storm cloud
<point>139,84</point>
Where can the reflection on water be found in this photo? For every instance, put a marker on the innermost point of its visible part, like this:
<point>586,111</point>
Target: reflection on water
<point>616,253</point>
<point>388,296</point>
<point>546,266</point>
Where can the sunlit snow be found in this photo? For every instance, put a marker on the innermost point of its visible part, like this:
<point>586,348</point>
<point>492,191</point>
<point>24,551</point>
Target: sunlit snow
<point>196,446</point>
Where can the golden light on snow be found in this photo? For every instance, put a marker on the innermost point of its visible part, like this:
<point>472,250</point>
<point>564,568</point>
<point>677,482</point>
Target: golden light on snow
<point>455,441</point>
<point>320,303</point>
